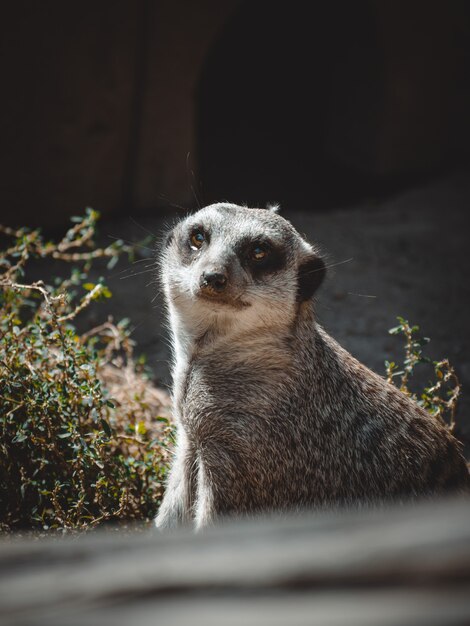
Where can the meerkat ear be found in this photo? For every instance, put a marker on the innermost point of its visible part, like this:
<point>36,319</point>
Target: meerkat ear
<point>311,274</point>
<point>274,208</point>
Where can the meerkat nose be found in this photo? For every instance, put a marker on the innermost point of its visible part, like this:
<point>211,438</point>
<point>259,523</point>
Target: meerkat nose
<point>214,281</point>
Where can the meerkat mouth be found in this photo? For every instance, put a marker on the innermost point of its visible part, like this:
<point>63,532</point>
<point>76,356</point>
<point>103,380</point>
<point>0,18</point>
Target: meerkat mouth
<point>223,300</point>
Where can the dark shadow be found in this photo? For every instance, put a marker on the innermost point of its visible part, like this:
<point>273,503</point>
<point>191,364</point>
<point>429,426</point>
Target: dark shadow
<point>294,103</point>
<point>266,102</point>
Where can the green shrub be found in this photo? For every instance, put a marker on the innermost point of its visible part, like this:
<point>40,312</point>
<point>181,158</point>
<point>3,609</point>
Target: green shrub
<point>440,397</point>
<point>84,435</point>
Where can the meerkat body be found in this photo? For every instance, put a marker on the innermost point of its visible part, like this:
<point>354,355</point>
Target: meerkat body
<point>272,414</point>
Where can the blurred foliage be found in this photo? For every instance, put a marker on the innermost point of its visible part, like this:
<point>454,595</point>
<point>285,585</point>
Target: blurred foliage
<point>80,440</point>
<point>439,398</point>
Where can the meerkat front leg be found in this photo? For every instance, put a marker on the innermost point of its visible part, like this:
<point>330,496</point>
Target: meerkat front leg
<point>175,509</point>
<point>205,513</point>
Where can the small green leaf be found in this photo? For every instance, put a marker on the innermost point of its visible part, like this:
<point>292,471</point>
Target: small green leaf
<point>112,262</point>
<point>106,427</point>
<point>140,428</point>
<point>165,420</point>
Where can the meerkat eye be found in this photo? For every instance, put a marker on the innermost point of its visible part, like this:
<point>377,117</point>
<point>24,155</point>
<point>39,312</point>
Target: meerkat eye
<point>258,253</point>
<point>197,239</point>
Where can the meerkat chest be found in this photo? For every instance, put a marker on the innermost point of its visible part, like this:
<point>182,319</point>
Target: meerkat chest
<point>215,389</point>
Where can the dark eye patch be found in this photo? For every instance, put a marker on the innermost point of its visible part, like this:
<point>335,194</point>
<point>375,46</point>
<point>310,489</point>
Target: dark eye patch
<point>199,233</point>
<point>188,252</point>
<point>261,256</point>
<point>197,239</point>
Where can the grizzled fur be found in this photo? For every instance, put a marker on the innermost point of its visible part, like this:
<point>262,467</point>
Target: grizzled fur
<point>272,413</point>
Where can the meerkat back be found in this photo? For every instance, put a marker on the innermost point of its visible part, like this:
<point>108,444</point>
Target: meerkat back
<point>272,414</point>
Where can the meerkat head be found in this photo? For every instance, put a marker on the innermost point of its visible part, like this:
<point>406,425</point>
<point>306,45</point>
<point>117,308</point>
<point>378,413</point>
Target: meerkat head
<point>237,264</point>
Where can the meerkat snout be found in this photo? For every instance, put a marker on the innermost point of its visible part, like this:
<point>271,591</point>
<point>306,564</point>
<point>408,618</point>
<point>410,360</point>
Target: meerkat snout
<point>213,281</point>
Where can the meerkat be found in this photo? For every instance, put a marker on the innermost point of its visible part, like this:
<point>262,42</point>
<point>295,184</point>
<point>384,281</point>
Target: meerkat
<point>272,414</point>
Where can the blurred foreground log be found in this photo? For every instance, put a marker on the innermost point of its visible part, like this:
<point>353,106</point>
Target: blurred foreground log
<point>406,565</point>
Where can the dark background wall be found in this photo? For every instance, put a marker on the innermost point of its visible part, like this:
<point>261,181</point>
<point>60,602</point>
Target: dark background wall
<point>97,105</point>
<point>103,101</point>
<point>322,103</point>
